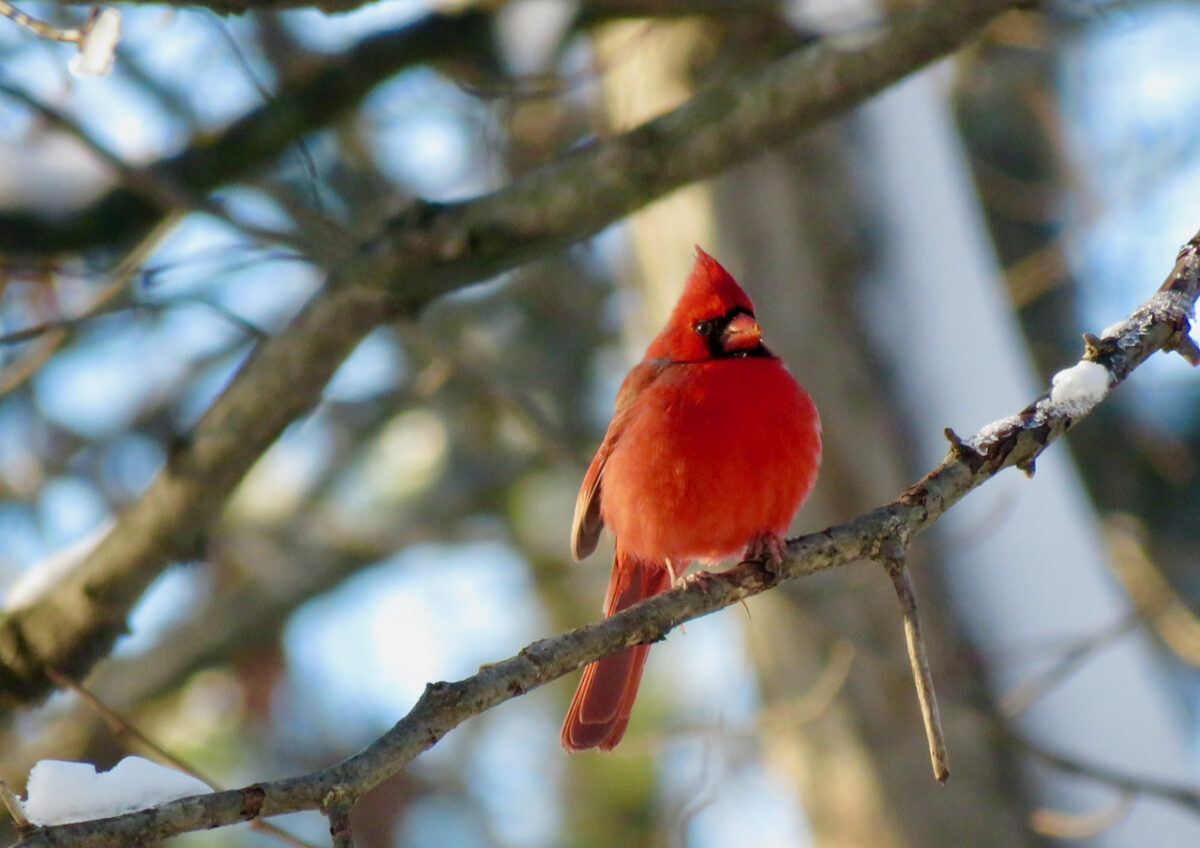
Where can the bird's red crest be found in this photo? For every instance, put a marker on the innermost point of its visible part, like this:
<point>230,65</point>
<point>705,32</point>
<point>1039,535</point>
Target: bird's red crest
<point>709,293</point>
<point>710,290</point>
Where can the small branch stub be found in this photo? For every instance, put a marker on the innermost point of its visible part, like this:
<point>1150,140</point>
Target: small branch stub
<point>1185,346</point>
<point>339,825</point>
<point>960,448</point>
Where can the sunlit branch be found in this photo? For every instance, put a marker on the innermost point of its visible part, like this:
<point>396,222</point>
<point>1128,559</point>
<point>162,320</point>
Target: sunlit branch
<point>1016,441</point>
<point>40,28</point>
<point>155,187</point>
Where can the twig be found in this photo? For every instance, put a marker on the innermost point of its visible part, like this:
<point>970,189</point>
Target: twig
<point>304,101</point>
<point>1021,696</point>
<point>13,805</point>
<point>120,725</point>
<point>14,375</point>
<point>1060,825</point>
<point>918,659</point>
<point>42,29</point>
<point>156,186</point>
<point>1184,795</point>
<point>1164,610</point>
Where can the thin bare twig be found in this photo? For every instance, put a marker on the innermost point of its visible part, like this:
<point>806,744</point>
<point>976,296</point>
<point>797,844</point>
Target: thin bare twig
<point>1061,825</point>
<point>156,186</point>
<point>918,659</point>
<point>42,29</point>
<point>1184,795</point>
<point>14,375</point>
<point>1020,697</point>
<point>13,804</point>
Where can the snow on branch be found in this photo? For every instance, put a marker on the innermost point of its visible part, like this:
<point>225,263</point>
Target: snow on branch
<point>1161,323</point>
<point>96,39</point>
<point>60,792</point>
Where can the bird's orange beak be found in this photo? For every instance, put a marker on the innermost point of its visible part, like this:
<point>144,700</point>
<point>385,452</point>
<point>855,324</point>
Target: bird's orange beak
<point>742,333</point>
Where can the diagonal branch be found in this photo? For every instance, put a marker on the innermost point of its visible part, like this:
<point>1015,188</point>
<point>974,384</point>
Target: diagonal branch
<point>1185,796</point>
<point>427,252</point>
<point>1159,324</point>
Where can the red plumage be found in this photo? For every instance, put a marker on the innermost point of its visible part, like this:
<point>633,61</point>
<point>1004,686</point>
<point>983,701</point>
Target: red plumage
<point>712,448</point>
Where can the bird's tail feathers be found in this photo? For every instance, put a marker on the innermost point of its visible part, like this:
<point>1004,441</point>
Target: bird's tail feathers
<point>602,704</point>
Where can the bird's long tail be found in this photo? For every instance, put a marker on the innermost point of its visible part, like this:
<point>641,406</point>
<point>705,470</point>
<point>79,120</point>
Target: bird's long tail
<point>600,710</point>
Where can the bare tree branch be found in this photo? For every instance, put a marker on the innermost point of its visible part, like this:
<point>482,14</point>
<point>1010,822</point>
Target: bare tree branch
<point>427,252</point>
<point>304,103</point>
<point>591,11</point>
<point>1159,324</point>
<point>1187,797</point>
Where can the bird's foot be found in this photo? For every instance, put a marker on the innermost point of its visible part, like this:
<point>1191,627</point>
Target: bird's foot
<point>767,548</point>
<point>677,572</point>
<point>703,579</point>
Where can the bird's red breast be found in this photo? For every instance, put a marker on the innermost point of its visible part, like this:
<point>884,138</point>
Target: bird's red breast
<point>718,453</point>
<point>712,448</point>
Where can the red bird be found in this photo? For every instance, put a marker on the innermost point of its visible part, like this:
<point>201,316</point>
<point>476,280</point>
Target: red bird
<point>712,448</point>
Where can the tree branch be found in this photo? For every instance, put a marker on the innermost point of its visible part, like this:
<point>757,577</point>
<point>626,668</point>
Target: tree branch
<point>1015,441</point>
<point>302,104</point>
<point>427,252</point>
<point>1185,796</point>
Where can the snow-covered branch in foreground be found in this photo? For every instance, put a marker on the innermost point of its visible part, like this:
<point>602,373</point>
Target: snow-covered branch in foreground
<point>1162,323</point>
<point>59,791</point>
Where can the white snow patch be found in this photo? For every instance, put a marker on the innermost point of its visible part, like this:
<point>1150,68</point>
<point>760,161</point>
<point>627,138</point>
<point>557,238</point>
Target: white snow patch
<point>1075,390</point>
<point>985,436</point>
<point>98,45</point>
<point>1113,331</point>
<point>51,570</point>
<point>1166,304</point>
<point>60,791</point>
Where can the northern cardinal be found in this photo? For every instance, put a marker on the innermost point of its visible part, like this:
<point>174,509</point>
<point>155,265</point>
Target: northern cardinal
<point>712,448</point>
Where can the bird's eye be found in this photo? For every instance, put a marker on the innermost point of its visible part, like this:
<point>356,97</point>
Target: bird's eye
<point>703,328</point>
